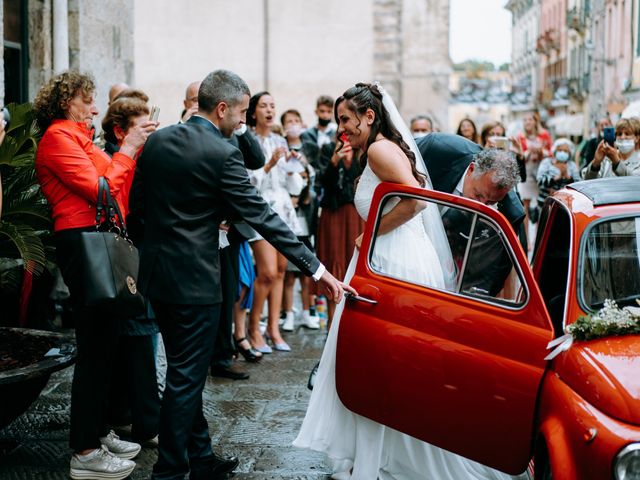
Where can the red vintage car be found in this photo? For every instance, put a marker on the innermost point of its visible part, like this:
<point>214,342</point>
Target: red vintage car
<point>464,368</point>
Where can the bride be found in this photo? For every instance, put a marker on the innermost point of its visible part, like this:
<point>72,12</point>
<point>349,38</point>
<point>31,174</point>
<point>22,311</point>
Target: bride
<point>410,244</point>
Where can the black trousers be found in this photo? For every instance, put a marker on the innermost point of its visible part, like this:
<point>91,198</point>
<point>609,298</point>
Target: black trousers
<point>97,336</point>
<point>224,346</point>
<point>133,397</point>
<point>188,332</point>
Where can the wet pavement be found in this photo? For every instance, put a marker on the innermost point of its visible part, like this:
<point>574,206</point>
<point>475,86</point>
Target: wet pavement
<point>254,419</point>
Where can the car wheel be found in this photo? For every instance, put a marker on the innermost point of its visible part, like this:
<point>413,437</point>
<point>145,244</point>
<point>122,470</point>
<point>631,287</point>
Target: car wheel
<point>541,463</point>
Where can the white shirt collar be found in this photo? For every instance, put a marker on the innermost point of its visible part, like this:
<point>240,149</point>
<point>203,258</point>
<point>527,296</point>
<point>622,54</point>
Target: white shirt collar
<point>196,115</point>
<point>460,186</point>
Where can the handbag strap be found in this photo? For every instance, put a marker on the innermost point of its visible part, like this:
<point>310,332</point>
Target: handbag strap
<point>106,206</point>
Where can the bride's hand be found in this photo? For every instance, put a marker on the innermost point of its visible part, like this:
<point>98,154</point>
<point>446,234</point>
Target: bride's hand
<point>359,241</point>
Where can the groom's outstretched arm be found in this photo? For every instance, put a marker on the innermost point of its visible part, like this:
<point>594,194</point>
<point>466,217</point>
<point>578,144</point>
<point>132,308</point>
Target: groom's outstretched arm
<point>238,191</point>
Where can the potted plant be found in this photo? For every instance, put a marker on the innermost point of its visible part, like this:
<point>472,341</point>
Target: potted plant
<point>25,254</point>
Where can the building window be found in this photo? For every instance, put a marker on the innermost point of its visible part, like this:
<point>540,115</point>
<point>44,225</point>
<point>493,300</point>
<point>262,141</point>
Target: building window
<point>637,36</point>
<point>15,51</point>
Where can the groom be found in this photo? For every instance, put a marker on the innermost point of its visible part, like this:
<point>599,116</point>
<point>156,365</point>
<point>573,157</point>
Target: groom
<point>187,180</point>
<point>461,167</point>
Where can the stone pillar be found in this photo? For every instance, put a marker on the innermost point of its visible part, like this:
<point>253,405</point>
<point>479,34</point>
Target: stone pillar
<point>40,44</point>
<point>387,49</point>
<point>60,36</point>
<point>425,60</point>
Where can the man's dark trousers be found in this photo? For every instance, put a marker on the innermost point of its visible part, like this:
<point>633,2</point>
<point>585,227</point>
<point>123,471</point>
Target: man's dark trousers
<point>188,332</point>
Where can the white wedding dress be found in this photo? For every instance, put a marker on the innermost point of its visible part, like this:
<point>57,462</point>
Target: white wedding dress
<point>356,443</point>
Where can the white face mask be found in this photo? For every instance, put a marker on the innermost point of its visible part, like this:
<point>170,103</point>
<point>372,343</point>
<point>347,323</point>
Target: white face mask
<point>625,146</point>
<point>241,129</point>
<point>562,156</point>
<point>294,131</point>
<point>417,135</point>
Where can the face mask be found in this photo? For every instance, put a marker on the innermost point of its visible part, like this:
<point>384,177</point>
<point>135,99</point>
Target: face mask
<point>625,146</point>
<point>305,182</point>
<point>241,129</point>
<point>294,131</point>
<point>418,135</point>
<point>562,156</point>
<point>323,122</point>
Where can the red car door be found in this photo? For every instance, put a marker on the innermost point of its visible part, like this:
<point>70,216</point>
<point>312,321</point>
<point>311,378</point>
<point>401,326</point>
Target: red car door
<point>457,368</point>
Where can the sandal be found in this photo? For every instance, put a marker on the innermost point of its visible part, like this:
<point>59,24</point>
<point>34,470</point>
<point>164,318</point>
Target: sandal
<point>250,354</point>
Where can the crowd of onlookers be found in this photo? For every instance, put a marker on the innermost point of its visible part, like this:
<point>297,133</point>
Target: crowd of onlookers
<point>303,172</point>
<point>547,165</point>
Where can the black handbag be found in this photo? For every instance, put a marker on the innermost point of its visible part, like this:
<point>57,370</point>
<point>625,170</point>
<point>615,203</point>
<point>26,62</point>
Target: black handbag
<point>110,261</point>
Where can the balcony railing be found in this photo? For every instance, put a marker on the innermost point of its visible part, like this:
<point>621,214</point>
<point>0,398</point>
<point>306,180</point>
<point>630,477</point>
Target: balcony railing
<point>547,42</point>
<point>577,20</point>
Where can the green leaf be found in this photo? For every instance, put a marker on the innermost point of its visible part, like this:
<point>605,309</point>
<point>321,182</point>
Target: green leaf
<point>28,244</point>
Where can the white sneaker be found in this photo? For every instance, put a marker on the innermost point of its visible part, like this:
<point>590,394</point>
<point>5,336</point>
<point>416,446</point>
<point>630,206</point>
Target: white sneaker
<point>287,326</point>
<point>100,464</point>
<point>120,448</point>
<point>310,321</point>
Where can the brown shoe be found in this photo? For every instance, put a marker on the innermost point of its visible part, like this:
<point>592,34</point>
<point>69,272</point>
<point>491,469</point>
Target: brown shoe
<point>233,371</point>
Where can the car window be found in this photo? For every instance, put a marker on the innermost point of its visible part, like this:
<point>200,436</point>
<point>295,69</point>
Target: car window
<point>611,263</point>
<point>476,258</point>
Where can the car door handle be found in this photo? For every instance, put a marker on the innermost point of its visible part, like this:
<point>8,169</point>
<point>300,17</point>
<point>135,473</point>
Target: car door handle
<point>358,298</point>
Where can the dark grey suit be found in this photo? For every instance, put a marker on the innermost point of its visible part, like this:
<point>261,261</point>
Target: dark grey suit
<point>186,179</point>
<point>447,157</point>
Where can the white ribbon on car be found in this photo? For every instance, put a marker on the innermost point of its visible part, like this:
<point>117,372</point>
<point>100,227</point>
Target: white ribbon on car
<point>559,345</point>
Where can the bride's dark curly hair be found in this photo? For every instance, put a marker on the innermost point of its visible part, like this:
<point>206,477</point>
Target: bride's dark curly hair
<point>359,99</point>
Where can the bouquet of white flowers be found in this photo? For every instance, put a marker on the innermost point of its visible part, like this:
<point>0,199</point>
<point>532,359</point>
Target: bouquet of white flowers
<point>609,320</point>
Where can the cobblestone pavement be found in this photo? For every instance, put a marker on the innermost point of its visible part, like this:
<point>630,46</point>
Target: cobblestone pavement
<point>255,419</point>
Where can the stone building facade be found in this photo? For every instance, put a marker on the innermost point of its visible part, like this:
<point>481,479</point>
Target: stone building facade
<point>93,36</point>
<point>525,26</point>
<point>296,50</point>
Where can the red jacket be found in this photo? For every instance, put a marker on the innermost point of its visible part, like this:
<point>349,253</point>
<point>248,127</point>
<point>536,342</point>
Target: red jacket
<point>68,165</point>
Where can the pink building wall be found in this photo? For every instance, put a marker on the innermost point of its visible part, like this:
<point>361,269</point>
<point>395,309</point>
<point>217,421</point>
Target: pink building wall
<point>553,19</point>
<point>618,52</point>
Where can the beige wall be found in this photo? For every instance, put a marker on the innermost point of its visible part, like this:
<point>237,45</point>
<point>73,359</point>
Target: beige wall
<point>314,48</point>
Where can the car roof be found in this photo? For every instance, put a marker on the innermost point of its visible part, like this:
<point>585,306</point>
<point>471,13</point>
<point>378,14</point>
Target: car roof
<point>609,191</point>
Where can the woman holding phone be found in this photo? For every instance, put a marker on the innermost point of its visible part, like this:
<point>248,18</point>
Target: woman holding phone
<point>620,157</point>
<point>68,166</point>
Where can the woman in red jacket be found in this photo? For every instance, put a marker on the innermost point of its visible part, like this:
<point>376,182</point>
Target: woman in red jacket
<point>68,166</point>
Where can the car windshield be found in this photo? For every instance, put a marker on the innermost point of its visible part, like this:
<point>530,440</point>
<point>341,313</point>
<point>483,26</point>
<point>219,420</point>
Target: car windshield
<point>611,263</point>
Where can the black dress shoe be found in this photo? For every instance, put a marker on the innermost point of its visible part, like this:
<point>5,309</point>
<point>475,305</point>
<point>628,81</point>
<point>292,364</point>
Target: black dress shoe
<point>213,468</point>
<point>233,371</point>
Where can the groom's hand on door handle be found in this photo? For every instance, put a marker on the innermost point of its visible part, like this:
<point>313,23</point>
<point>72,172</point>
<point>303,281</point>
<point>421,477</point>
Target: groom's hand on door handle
<point>333,288</point>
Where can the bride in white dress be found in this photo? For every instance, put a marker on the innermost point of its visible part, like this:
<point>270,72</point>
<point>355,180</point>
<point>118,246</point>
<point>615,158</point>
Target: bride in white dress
<point>361,448</point>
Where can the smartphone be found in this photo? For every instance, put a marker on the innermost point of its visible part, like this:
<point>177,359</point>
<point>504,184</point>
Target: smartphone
<point>7,118</point>
<point>609,135</point>
<point>500,142</point>
<point>155,113</point>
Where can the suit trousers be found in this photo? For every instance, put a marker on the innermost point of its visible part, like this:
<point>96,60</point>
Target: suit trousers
<point>97,337</point>
<point>134,395</point>
<point>224,347</point>
<point>188,332</point>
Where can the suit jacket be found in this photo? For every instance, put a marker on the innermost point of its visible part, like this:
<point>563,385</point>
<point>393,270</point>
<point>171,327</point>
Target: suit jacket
<point>253,157</point>
<point>186,177</point>
<point>447,157</point>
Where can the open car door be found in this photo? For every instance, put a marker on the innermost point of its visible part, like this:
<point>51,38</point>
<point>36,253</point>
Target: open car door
<point>458,367</point>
